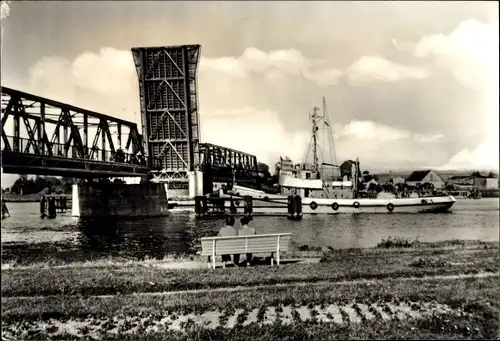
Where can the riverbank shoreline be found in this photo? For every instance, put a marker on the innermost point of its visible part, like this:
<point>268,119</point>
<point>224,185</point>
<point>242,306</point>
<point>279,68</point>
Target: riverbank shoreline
<point>29,198</point>
<point>194,260</point>
<point>447,288</point>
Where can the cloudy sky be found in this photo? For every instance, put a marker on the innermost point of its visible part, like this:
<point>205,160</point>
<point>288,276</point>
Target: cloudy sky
<point>408,84</point>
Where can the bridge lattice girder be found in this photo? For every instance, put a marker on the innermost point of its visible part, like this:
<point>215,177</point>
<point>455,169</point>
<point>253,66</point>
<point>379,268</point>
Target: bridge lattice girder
<point>169,108</point>
<point>221,162</point>
<point>58,139</point>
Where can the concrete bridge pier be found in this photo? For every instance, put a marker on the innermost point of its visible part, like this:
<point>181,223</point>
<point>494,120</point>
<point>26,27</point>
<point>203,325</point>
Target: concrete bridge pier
<point>119,200</point>
<point>195,181</point>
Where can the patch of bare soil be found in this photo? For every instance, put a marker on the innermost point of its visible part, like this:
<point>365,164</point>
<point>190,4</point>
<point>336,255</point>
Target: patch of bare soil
<point>99,328</point>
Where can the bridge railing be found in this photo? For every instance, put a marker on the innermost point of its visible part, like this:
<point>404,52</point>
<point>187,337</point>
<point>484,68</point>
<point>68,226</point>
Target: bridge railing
<point>27,146</point>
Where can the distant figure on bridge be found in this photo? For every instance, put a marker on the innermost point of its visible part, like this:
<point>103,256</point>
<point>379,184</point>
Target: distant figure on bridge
<point>43,205</point>
<point>229,231</point>
<point>246,230</point>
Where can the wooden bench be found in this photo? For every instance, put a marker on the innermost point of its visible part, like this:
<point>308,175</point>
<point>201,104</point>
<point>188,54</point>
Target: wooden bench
<point>260,243</point>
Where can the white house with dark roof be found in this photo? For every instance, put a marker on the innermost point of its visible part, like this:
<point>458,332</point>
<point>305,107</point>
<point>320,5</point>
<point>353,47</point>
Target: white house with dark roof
<point>422,176</point>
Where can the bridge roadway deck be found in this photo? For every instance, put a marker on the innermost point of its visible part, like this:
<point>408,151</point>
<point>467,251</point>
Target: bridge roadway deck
<point>26,163</point>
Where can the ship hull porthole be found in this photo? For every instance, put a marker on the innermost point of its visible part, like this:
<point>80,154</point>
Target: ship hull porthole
<point>313,205</point>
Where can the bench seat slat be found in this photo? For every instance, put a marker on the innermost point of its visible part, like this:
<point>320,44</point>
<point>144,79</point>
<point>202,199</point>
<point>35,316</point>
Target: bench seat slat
<point>245,244</point>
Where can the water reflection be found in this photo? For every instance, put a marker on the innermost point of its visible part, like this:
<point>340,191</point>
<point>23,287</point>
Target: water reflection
<point>138,238</point>
<point>22,235</point>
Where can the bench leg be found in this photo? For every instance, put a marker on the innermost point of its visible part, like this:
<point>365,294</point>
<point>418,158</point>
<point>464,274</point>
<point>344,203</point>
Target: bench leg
<point>272,259</point>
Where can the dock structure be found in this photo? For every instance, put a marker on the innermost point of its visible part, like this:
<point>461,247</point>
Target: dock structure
<point>49,204</point>
<point>206,206</point>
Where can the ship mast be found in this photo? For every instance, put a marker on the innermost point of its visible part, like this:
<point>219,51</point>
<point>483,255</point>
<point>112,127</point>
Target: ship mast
<point>315,118</point>
<point>326,117</point>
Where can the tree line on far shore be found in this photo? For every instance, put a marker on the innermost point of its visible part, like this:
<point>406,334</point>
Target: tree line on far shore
<point>48,184</point>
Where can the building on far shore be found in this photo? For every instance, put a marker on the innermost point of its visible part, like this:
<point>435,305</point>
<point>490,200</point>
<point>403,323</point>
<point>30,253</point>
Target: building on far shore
<point>475,180</point>
<point>422,176</point>
<point>398,180</point>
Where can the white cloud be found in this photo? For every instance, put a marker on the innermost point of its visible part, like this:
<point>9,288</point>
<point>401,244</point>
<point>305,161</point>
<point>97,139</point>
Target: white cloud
<point>290,62</point>
<point>4,9</point>
<point>110,72</point>
<point>427,138</point>
<point>484,157</point>
<point>380,145</point>
<point>368,130</point>
<point>104,82</point>
<point>470,52</point>
<point>486,154</point>
<point>227,65</point>
<point>377,68</point>
<point>279,63</point>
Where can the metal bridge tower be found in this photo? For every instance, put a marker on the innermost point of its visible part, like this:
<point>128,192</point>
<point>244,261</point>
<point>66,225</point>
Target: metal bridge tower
<point>169,110</point>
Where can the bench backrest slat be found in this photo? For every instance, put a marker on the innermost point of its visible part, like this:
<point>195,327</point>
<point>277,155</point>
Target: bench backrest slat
<point>245,244</point>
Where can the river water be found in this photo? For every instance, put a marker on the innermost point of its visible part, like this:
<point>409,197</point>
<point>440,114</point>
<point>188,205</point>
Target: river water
<point>26,237</point>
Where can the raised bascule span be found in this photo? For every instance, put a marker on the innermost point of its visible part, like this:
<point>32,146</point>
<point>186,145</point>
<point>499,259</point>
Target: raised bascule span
<point>167,77</point>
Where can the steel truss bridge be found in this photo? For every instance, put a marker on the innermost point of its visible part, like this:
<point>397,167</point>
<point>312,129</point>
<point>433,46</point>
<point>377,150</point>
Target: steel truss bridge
<point>46,137</point>
<point>53,138</point>
<point>225,164</point>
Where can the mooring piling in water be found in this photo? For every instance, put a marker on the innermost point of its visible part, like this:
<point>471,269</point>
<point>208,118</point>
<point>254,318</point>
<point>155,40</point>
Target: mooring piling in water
<point>5,210</point>
<point>52,208</point>
<point>43,206</point>
<point>294,203</point>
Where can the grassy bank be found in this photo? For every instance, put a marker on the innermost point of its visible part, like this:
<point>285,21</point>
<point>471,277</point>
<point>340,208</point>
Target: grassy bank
<point>426,308</point>
<point>381,292</point>
<point>336,266</point>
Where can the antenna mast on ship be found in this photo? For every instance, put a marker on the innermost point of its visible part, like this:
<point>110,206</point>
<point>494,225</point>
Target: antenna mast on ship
<point>315,119</point>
